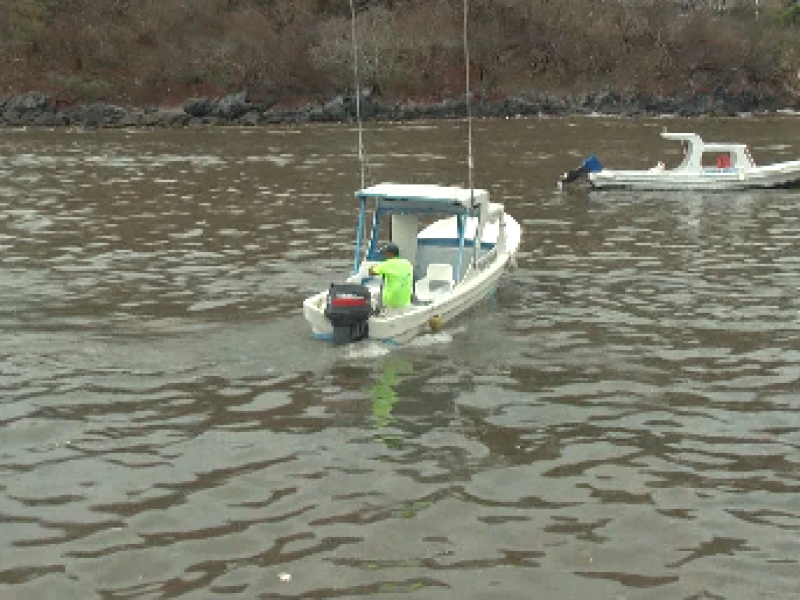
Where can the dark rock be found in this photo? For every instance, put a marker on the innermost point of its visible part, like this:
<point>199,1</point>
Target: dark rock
<point>166,118</point>
<point>38,109</point>
<point>520,105</point>
<point>251,119</point>
<point>97,114</point>
<point>231,107</point>
<point>198,107</point>
<point>133,118</point>
<point>341,108</point>
<point>26,109</point>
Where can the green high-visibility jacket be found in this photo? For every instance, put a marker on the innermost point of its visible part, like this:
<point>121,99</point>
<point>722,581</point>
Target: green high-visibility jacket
<point>398,285</point>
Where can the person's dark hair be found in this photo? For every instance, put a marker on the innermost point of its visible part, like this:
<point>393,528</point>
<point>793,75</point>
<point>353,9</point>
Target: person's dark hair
<point>391,249</point>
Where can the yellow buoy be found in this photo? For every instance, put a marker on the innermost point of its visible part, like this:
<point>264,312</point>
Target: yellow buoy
<point>435,323</point>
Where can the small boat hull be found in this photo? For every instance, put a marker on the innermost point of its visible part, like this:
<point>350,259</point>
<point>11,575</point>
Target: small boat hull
<point>782,175</point>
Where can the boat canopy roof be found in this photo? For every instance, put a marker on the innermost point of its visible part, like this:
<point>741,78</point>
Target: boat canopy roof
<point>697,147</point>
<point>695,140</point>
<point>430,196</point>
<point>740,155</point>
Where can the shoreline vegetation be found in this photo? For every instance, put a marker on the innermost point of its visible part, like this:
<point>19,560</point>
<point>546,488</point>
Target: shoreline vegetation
<point>171,63</point>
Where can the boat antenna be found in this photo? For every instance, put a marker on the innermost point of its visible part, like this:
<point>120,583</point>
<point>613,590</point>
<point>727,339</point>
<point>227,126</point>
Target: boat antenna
<point>470,162</point>
<point>361,158</point>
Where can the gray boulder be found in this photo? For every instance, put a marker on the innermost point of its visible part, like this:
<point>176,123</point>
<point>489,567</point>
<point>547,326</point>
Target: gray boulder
<point>198,107</point>
<point>231,107</point>
<point>27,109</point>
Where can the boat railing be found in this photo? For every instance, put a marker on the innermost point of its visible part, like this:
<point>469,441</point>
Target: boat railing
<point>487,258</point>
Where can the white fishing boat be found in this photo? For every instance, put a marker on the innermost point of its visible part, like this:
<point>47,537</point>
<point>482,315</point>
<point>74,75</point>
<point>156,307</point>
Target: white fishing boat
<point>457,241</point>
<point>705,167</point>
<point>457,258</point>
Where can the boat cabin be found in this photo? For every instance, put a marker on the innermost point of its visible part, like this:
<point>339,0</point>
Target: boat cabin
<point>434,226</point>
<point>723,156</point>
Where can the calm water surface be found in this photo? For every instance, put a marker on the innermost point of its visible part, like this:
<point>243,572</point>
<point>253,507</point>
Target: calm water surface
<point>620,421</point>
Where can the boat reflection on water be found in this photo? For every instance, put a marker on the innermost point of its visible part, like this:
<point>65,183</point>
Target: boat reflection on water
<point>384,395</point>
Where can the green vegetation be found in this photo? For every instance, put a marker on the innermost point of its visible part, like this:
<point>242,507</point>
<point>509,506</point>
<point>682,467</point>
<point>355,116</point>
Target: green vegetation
<point>142,52</point>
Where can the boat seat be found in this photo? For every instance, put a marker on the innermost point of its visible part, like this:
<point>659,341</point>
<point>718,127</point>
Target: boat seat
<point>438,280</point>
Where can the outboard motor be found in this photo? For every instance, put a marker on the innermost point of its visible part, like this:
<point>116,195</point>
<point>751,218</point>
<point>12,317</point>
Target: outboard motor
<point>348,309</point>
<point>590,165</point>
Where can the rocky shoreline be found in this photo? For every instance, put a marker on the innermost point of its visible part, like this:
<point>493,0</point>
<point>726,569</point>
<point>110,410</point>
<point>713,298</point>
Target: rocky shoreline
<point>42,110</point>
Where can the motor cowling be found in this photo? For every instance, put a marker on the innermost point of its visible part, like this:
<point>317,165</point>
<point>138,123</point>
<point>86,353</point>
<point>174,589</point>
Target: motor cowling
<point>590,165</point>
<point>348,308</point>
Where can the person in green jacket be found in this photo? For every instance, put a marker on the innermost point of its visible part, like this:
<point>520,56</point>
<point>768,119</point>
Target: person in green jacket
<point>398,275</point>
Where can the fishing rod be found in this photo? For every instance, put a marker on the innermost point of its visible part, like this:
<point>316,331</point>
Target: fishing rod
<point>361,158</point>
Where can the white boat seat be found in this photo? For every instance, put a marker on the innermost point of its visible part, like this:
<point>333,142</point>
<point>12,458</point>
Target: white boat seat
<point>438,280</point>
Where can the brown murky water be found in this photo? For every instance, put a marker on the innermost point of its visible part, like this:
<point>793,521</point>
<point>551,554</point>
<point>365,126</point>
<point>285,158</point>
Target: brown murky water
<point>621,421</point>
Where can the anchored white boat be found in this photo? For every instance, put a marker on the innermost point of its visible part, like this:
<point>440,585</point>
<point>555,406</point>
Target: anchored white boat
<point>458,242</point>
<point>705,166</point>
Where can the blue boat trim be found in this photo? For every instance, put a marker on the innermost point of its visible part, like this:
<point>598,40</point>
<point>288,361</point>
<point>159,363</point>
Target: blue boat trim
<point>460,223</point>
<point>359,233</point>
<point>328,337</point>
<point>452,242</point>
